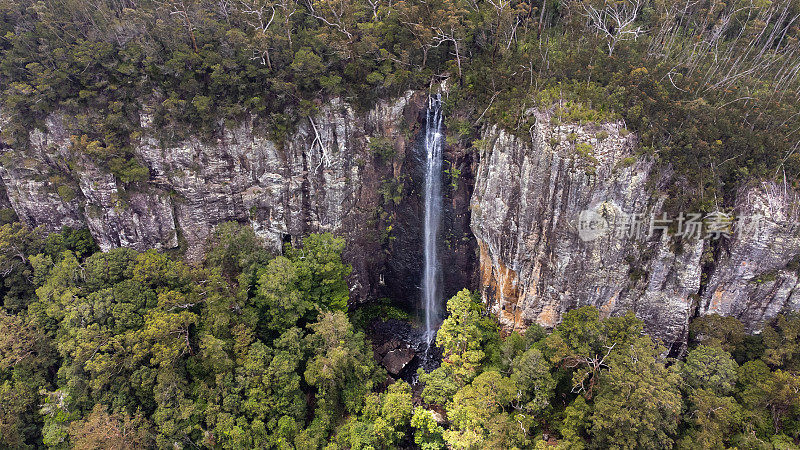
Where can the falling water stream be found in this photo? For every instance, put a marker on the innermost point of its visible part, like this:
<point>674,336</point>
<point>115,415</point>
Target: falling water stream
<point>433,211</point>
<point>420,339</point>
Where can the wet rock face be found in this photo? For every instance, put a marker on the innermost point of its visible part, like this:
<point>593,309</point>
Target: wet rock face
<point>538,259</point>
<point>456,246</point>
<point>402,349</point>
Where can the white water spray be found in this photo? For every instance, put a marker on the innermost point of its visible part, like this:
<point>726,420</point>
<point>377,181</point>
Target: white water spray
<point>433,209</point>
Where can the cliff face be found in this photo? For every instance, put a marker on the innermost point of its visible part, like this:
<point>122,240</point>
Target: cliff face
<point>349,173</point>
<point>558,219</point>
<point>325,177</point>
<point>757,274</point>
<point>5,203</point>
<point>32,177</point>
<point>563,220</point>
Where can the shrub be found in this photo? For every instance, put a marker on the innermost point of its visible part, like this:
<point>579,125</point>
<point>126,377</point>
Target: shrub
<point>66,193</point>
<point>382,148</point>
<point>129,171</point>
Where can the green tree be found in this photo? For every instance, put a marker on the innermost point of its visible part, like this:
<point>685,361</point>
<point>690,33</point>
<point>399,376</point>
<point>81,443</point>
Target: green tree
<point>462,334</point>
<point>710,368</point>
<point>322,275</point>
<point>383,421</point>
<point>103,430</point>
<point>716,330</point>
<point>342,370</point>
<point>782,341</point>
<point>713,420</point>
<point>582,345</point>
<point>533,382</point>
<point>463,337</point>
<point>479,418</point>
<point>428,434</point>
<point>279,299</point>
<point>16,244</point>
<point>753,393</point>
<point>575,427</point>
<point>440,384</point>
<point>637,403</point>
<point>235,249</point>
<point>26,357</point>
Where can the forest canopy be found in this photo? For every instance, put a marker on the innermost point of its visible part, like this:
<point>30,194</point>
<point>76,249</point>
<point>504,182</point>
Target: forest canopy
<point>711,87</point>
<point>250,350</point>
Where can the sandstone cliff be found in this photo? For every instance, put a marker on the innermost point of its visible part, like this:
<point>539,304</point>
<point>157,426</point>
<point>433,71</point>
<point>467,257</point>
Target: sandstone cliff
<point>534,197</point>
<point>324,178</point>
<point>327,176</point>
<point>520,206</point>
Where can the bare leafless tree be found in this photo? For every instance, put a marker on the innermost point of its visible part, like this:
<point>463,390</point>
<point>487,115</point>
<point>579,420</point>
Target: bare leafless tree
<point>615,20</point>
<point>181,9</point>
<point>266,18</point>
<point>260,16</point>
<point>331,13</point>
<point>441,36</point>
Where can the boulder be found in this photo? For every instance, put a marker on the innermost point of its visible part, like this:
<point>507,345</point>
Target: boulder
<point>396,360</point>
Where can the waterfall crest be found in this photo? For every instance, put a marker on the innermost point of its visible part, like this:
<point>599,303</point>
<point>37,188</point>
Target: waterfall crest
<point>431,291</point>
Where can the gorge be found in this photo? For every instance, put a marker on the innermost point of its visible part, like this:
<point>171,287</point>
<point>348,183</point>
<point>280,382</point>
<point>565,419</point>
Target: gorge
<point>438,224</point>
<point>362,175</point>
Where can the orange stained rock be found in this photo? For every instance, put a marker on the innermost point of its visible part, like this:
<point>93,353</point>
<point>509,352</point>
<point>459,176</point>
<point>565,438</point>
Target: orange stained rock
<point>548,317</point>
<point>607,307</point>
<point>500,288</point>
<point>716,300</point>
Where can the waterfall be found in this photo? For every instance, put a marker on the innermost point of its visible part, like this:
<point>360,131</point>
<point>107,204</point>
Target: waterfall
<point>433,208</point>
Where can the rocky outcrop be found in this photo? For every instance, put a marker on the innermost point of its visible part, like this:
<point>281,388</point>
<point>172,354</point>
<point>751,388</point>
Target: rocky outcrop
<point>396,360</point>
<point>324,177</point>
<point>757,272</point>
<point>563,219</point>
<point>37,182</point>
<point>139,218</point>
